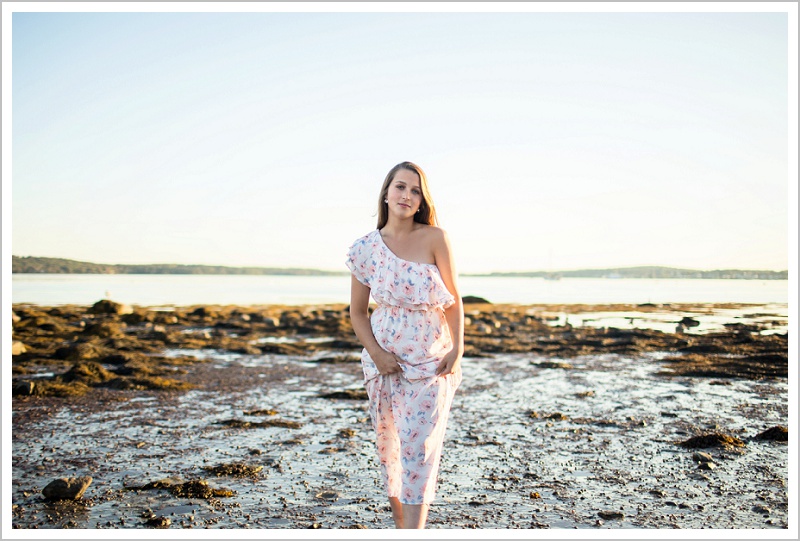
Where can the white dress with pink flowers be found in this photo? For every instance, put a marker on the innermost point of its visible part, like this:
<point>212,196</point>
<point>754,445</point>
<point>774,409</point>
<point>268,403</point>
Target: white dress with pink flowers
<point>409,410</point>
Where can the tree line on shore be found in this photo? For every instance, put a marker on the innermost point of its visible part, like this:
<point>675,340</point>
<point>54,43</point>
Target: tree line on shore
<point>52,265</point>
<point>653,272</point>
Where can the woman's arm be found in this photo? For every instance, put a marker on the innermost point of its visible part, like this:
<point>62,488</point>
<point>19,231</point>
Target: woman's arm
<point>454,314</point>
<point>359,317</point>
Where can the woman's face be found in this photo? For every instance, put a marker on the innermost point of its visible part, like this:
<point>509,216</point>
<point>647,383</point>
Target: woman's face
<point>405,193</point>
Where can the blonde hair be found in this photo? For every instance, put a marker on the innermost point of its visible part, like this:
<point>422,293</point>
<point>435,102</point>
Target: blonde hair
<point>427,212</point>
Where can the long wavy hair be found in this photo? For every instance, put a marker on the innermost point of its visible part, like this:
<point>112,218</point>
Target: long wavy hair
<point>427,212</point>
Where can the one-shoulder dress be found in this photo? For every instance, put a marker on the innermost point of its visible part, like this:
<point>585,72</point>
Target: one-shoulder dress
<point>409,410</point>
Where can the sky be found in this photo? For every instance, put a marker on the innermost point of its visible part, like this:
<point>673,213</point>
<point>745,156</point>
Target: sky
<point>551,140</point>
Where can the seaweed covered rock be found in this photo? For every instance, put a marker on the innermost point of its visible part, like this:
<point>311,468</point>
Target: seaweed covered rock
<point>713,439</point>
<point>776,433</point>
<point>106,306</point>
<point>199,489</point>
<point>234,470</point>
<point>89,373</point>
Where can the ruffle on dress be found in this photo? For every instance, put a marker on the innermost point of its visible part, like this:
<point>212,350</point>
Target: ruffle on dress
<point>394,281</point>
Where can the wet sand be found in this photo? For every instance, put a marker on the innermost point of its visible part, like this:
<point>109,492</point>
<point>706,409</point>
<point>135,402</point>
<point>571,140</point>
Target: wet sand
<point>254,417</point>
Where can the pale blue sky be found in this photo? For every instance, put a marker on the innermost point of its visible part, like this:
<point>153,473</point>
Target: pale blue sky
<point>551,140</point>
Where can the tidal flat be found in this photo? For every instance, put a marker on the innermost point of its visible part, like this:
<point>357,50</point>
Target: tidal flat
<point>255,417</point>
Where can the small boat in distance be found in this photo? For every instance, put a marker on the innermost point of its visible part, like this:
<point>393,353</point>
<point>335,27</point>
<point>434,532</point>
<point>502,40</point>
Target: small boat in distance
<point>552,276</point>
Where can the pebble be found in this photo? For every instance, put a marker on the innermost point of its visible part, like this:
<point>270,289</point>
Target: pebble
<point>702,457</point>
<point>611,515</point>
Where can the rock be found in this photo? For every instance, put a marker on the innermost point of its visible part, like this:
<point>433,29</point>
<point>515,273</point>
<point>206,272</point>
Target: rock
<point>762,509</point>
<point>702,457</point>
<point>17,348</point>
<point>165,318</point>
<point>105,329</point>
<point>715,439</point>
<point>15,318</point>
<point>470,299</point>
<point>106,306</point>
<point>553,364</point>
<point>328,495</point>
<point>611,515</point>
<point>122,357</point>
<point>246,350</point>
<point>89,373</point>
<point>199,489</point>
<point>81,351</point>
<point>482,328</point>
<point>234,470</point>
<point>342,358</point>
<point>158,522</point>
<point>67,488</point>
<point>134,318</point>
<point>23,388</point>
<point>206,313</point>
<point>280,423</point>
<point>704,461</point>
<point>776,433</point>
<point>57,388</point>
<point>281,349</point>
<point>270,322</point>
<point>351,394</point>
<point>268,412</point>
<point>689,322</point>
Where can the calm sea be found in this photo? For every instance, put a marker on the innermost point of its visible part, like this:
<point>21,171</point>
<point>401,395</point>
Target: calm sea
<point>183,290</point>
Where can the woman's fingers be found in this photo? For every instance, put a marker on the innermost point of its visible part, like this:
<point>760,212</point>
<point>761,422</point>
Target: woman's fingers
<point>392,366</point>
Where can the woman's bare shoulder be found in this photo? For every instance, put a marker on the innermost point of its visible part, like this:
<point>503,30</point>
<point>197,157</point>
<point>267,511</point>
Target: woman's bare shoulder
<point>434,236</point>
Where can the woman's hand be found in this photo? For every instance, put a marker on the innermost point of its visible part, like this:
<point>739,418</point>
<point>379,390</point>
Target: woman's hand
<point>449,363</point>
<point>387,363</point>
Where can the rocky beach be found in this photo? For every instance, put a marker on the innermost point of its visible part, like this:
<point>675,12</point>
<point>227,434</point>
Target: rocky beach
<point>675,416</point>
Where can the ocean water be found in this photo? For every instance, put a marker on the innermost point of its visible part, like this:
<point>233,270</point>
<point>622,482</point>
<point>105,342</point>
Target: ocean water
<point>186,290</point>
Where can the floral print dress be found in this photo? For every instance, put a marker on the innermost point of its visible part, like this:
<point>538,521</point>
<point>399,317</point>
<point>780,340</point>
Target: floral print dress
<point>409,410</point>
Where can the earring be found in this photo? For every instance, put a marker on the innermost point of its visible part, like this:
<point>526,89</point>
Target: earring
<point>385,200</point>
<point>418,210</point>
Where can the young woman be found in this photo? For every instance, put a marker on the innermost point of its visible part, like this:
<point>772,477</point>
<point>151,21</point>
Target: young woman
<point>414,340</point>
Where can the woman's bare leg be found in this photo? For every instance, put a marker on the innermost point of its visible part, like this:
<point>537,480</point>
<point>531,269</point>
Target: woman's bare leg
<point>397,512</point>
<point>415,516</point>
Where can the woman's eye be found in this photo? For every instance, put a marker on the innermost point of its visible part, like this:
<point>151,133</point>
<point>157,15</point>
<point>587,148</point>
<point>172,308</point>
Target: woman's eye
<point>415,192</point>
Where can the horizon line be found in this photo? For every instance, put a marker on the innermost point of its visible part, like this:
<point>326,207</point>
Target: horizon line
<point>338,271</point>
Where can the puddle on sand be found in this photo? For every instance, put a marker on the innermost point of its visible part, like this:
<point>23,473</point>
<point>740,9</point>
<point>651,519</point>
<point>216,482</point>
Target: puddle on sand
<point>770,318</point>
<point>527,447</point>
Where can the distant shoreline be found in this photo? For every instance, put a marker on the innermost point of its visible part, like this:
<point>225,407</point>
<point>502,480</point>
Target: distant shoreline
<point>50,265</point>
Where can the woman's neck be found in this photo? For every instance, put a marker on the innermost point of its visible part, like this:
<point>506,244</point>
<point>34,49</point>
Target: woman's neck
<point>399,227</point>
